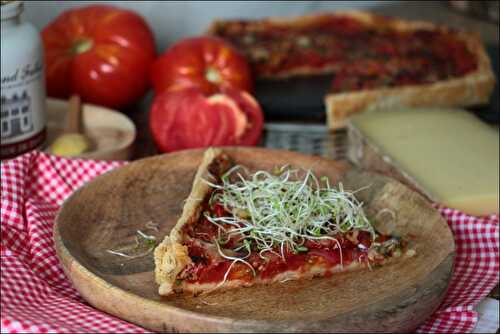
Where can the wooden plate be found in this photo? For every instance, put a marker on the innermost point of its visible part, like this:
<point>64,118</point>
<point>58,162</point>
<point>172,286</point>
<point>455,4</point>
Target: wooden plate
<point>106,213</point>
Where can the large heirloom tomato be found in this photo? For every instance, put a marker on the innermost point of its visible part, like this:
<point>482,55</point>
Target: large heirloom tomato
<point>208,63</point>
<point>101,53</point>
<point>187,118</point>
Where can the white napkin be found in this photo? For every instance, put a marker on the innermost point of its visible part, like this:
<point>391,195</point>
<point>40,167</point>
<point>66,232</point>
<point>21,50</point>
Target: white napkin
<point>488,316</point>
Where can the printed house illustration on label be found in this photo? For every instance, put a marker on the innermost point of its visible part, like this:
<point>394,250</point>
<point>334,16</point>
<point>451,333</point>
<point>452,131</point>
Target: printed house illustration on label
<point>16,116</point>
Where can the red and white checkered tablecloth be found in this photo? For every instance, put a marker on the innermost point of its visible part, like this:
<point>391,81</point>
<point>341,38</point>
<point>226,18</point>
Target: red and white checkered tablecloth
<point>36,296</point>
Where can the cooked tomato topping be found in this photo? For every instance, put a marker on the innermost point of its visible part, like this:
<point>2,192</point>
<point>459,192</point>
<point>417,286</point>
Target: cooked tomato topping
<point>219,166</point>
<point>359,56</point>
<point>219,210</point>
<point>333,258</point>
<point>325,251</point>
<point>214,272</point>
<point>292,262</point>
<point>204,230</point>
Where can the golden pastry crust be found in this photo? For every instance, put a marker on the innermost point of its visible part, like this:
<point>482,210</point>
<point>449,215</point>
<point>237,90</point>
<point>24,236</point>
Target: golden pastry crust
<point>472,89</point>
<point>475,88</point>
<point>171,256</point>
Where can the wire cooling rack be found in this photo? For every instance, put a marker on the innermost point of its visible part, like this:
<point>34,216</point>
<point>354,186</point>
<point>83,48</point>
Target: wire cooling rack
<point>313,139</point>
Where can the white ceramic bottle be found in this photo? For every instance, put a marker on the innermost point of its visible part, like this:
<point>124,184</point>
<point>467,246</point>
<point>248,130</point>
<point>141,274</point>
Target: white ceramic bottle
<point>23,100</point>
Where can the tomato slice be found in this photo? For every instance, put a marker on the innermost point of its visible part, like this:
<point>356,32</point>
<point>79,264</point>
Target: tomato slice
<point>186,118</point>
<point>232,121</point>
<point>255,118</point>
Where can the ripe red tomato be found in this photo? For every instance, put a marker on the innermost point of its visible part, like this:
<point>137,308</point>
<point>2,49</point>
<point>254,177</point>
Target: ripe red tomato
<point>209,63</point>
<point>187,118</point>
<point>101,53</point>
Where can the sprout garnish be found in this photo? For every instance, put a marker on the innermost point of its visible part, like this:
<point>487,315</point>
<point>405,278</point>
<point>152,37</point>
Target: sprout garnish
<point>283,209</point>
<point>144,244</point>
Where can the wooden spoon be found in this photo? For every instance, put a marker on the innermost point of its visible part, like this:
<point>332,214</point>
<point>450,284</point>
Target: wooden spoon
<point>72,142</point>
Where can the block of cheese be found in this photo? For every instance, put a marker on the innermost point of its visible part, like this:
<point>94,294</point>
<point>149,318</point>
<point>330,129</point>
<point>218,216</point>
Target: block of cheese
<point>449,156</point>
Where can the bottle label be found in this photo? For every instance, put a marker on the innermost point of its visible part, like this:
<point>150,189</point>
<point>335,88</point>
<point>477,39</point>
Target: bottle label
<point>22,115</point>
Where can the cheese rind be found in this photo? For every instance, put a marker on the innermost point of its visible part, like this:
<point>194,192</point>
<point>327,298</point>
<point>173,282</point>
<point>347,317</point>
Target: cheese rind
<point>448,155</point>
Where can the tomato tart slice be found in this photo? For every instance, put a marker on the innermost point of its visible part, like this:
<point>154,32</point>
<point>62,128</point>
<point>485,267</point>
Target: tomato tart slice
<point>240,228</point>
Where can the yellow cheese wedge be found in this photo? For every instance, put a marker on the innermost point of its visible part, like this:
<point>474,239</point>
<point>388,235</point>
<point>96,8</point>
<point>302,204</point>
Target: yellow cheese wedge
<point>450,156</point>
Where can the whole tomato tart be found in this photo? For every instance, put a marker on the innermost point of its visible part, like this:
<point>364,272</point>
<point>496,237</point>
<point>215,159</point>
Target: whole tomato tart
<point>376,62</point>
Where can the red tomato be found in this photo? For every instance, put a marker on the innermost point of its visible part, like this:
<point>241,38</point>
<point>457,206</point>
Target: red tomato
<point>186,118</point>
<point>208,63</point>
<point>101,53</point>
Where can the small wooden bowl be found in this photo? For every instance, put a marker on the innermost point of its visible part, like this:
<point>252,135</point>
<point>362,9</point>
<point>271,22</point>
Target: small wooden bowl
<point>112,132</point>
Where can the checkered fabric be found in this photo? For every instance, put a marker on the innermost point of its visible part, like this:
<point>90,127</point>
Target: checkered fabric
<point>36,296</point>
